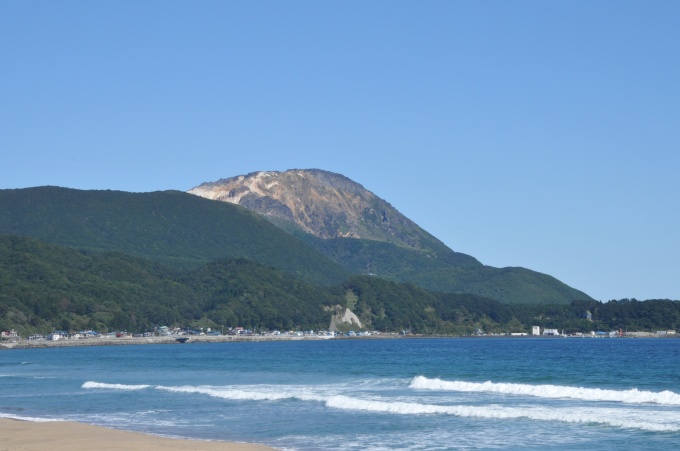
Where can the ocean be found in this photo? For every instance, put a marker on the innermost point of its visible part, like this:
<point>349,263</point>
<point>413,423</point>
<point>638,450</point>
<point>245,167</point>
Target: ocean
<point>364,394</point>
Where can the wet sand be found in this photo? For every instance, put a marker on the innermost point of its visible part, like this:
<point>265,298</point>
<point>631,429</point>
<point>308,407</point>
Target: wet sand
<point>18,435</point>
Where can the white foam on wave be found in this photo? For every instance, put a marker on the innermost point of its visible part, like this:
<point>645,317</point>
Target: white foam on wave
<point>31,419</point>
<point>240,394</point>
<point>102,385</point>
<point>615,418</point>
<point>131,419</point>
<point>633,396</point>
<point>243,393</point>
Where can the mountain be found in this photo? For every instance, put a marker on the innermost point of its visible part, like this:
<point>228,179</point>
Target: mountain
<point>365,234</point>
<point>325,205</point>
<point>316,226</point>
<point>180,230</point>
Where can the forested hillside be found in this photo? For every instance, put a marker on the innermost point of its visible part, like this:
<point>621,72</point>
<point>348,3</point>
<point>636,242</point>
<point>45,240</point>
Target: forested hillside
<point>449,272</point>
<point>44,287</point>
<point>365,234</point>
<point>184,231</point>
<point>177,229</point>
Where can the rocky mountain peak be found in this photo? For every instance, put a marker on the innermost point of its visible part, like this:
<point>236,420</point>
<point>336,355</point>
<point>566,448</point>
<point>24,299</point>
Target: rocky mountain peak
<point>325,204</point>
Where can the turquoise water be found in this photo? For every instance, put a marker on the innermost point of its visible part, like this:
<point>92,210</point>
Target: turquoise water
<point>416,394</point>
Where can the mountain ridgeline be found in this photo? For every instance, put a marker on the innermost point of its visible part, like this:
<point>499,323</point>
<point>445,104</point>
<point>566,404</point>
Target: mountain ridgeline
<point>177,229</point>
<point>365,234</point>
<point>111,260</point>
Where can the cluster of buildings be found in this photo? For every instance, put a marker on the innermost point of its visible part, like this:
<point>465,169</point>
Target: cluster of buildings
<point>9,334</point>
<point>162,331</point>
<point>536,330</point>
<point>53,336</point>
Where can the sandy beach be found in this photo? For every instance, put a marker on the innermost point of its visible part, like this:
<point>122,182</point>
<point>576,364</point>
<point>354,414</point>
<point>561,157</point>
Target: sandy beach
<point>28,436</point>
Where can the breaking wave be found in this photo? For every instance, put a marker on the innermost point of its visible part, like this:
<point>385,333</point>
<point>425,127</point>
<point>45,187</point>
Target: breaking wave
<point>633,396</point>
<point>245,395</point>
<point>626,418</point>
<point>630,420</point>
<point>272,394</point>
<point>102,385</point>
<point>31,419</point>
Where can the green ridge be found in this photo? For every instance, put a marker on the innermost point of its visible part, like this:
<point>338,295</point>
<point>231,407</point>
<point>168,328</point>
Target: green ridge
<point>44,286</point>
<point>178,229</point>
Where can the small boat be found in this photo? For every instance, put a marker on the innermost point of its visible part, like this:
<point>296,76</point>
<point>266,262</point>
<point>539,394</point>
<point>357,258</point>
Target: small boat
<point>182,339</point>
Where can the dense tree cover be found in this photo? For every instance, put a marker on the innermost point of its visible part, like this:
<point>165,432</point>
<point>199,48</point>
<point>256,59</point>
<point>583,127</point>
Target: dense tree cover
<point>390,306</point>
<point>184,231</point>
<point>587,316</point>
<point>445,271</point>
<point>180,230</point>
<point>244,293</point>
<point>45,287</point>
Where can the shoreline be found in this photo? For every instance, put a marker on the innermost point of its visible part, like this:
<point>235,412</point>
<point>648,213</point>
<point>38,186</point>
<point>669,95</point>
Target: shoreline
<point>37,436</point>
<point>128,341</point>
<point>123,341</point>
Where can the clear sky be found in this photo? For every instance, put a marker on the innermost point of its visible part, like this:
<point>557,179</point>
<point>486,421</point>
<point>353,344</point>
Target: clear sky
<point>542,134</point>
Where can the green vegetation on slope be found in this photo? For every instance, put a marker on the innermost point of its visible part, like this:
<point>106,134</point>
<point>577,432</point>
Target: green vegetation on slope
<point>184,231</point>
<point>45,287</point>
<point>446,271</point>
<point>178,229</point>
<point>244,293</point>
<point>325,209</point>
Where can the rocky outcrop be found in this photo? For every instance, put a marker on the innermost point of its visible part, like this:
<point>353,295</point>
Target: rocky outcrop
<point>322,203</point>
<point>343,316</point>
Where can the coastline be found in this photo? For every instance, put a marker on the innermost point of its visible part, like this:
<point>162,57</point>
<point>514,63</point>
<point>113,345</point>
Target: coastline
<point>122,341</point>
<point>38,436</point>
<point>302,395</point>
<point>174,339</point>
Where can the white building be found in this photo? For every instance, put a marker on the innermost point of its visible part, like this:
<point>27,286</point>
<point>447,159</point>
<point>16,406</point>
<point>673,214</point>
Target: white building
<point>535,330</point>
<point>9,334</point>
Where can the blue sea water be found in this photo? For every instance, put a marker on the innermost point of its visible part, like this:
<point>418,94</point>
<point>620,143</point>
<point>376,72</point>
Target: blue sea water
<point>364,394</point>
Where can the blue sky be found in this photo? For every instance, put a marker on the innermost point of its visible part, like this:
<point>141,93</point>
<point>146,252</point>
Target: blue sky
<point>525,133</point>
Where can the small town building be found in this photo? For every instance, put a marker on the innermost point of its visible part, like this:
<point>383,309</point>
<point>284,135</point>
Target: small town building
<point>9,334</point>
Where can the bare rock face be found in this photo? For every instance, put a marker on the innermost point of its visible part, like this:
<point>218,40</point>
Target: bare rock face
<point>322,203</point>
<point>342,315</point>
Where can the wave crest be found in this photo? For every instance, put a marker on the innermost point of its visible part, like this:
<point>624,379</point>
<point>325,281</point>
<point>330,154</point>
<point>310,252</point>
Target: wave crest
<point>242,395</point>
<point>633,396</point>
<point>629,421</point>
<point>31,419</point>
<point>102,385</point>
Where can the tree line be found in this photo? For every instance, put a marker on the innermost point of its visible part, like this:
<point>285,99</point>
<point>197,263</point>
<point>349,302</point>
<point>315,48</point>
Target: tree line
<point>44,287</point>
